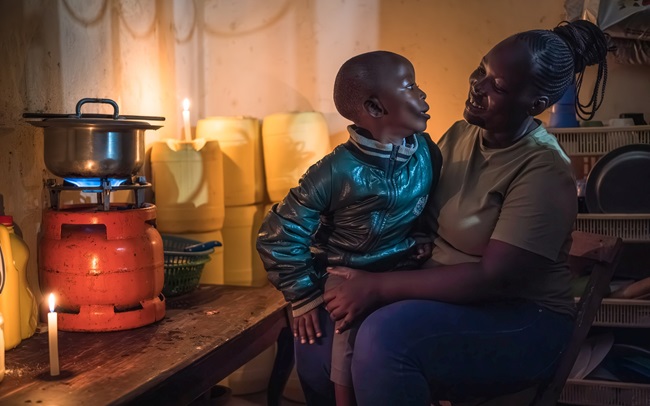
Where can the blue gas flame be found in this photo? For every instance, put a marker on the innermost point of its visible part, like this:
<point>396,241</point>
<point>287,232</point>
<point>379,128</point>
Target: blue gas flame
<point>93,182</point>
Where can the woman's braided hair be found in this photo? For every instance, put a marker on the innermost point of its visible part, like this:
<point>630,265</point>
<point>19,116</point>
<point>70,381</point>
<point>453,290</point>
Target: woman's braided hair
<point>561,55</point>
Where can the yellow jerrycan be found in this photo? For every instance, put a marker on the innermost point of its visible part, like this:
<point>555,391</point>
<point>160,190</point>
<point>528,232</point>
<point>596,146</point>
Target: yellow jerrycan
<point>291,143</point>
<point>241,144</point>
<point>28,308</point>
<point>188,184</point>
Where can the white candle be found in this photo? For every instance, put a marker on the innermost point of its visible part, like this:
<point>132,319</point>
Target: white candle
<point>2,348</point>
<point>186,120</point>
<point>52,329</point>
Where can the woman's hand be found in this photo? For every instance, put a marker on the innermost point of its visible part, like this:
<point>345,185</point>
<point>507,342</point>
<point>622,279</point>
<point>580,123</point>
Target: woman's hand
<point>423,251</point>
<point>354,297</point>
<point>307,326</point>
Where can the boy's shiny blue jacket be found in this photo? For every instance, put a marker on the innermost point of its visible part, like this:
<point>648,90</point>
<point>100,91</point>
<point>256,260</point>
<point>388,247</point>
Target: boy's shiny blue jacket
<point>356,207</point>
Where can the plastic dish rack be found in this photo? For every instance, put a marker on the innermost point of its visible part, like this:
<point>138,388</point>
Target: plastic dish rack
<point>630,227</point>
<point>623,313</point>
<point>604,393</point>
<point>182,269</point>
<point>593,141</point>
<point>585,145</point>
<point>612,313</point>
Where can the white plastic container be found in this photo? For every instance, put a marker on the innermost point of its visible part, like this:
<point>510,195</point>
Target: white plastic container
<point>254,376</point>
<point>188,183</point>
<point>242,263</point>
<point>212,271</point>
<point>291,142</point>
<point>293,390</point>
<point>240,142</point>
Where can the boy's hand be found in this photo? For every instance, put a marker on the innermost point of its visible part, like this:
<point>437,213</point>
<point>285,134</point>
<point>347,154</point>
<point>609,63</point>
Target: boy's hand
<point>307,327</point>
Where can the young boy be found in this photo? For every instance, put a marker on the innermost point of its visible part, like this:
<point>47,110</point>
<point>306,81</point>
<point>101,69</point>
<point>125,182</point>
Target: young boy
<point>359,205</point>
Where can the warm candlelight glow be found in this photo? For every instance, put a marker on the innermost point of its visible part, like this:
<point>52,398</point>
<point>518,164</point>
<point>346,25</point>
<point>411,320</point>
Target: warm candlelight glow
<point>53,337</point>
<point>186,120</point>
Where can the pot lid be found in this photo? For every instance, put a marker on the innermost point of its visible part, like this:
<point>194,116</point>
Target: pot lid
<point>73,122</point>
<point>103,121</point>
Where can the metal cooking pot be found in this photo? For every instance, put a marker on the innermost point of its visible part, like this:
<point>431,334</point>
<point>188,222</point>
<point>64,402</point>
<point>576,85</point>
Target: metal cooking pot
<point>93,145</point>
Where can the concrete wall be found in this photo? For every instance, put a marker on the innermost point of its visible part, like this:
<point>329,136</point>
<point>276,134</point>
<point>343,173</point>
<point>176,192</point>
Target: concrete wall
<point>237,57</point>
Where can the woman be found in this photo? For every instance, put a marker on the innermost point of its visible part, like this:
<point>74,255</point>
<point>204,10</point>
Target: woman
<point>494,313</point>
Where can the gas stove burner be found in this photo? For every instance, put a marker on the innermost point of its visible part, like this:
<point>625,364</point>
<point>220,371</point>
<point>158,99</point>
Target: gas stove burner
<point>93,182</point>
<point>102,186</point>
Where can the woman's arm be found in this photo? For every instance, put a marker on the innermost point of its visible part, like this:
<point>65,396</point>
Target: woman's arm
<point>501,264</point>
<point>363,292</point>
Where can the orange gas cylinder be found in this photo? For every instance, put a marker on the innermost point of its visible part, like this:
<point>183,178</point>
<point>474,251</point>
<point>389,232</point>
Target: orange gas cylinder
<point>104,267</point>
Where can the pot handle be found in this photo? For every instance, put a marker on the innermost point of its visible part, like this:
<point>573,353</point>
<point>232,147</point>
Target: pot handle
<point>116,110</point>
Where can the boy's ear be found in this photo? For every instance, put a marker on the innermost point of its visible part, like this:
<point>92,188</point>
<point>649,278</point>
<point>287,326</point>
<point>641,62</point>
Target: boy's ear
<point>539,105</point>
<point>374,107</point>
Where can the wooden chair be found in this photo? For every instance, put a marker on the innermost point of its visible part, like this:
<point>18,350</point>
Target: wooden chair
<point>603,252</point>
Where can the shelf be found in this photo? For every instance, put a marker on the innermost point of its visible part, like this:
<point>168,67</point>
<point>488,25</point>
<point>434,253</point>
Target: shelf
<point>631,313</point>
<point>594,141</point>
<point>630,227</point>
<point>605,393</point>
<point>623,313</point>
<point>585,145</point>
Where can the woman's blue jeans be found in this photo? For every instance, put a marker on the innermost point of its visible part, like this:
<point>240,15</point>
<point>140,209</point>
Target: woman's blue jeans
<point>415,351</point>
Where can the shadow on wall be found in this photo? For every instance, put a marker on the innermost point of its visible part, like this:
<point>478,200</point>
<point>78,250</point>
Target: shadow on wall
<point>62,51</point>
<point>446,40</point>
<point>256,60</point>
<point>31,81</point>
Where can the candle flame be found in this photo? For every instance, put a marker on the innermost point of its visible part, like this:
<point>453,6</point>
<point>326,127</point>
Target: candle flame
<point>51,302</point>
<point>186,104</point>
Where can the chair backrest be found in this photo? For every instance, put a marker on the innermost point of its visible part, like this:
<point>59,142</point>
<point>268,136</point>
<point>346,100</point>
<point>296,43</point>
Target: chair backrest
<point>600,253</point>
<point>603,252</point>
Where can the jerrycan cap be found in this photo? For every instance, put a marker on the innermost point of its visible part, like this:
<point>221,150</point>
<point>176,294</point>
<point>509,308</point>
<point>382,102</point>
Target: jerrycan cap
<point>7,220</point>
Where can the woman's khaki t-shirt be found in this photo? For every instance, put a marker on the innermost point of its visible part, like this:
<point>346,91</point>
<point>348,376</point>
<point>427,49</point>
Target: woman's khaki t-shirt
<point>523,195</point>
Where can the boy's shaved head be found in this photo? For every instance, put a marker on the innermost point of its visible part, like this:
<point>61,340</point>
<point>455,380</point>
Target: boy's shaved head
<point>359,78</point>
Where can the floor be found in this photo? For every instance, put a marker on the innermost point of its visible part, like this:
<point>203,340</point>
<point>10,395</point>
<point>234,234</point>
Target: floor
<point>254,376</point>
<point>221,396</point>
<point>257,399</point>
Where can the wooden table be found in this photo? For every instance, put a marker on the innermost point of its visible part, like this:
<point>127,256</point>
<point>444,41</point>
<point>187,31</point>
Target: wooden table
<point>205,336</point>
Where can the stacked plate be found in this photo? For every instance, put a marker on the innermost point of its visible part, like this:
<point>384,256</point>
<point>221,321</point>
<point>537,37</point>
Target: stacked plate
<point>599,358</point>
<point>619,182</point>
<point>624,363</point>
